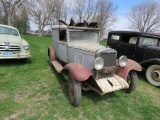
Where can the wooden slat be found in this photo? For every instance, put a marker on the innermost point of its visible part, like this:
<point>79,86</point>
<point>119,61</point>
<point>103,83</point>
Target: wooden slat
<point>111,84</point>
<point>57,66</point>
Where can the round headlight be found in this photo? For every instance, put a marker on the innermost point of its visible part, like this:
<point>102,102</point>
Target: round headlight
<point>98,63</point>
<point>123,61</point>
<point>26,47</point>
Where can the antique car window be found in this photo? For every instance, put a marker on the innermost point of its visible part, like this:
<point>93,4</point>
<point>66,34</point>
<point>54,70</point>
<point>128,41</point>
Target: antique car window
<point>133,40</point>
<point>8,31</point>
<point>115,37</point>
<point>129,38</point>
<point>148,41</point>
<point>83,36</point>
<point>63,35</point>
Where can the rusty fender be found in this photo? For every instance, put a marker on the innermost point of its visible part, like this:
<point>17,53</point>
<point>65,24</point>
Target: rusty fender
<point>52,53</point>
<point>78,71</point>
<point>131,65</point>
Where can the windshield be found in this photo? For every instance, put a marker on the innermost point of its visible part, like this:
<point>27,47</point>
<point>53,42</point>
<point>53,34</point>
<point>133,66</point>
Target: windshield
<point>8,31</point>
<point>148,41</point>
<point>84,36</point>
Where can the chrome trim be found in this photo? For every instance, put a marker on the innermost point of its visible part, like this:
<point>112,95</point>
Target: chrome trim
<point>10,48</point>
<point>16,57</point>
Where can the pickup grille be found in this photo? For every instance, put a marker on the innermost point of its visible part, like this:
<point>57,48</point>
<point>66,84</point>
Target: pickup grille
<point>109,56</point>
<point>9,48</point>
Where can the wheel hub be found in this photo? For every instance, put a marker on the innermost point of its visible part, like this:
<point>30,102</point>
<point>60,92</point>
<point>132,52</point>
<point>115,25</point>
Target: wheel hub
<point>156,75</point>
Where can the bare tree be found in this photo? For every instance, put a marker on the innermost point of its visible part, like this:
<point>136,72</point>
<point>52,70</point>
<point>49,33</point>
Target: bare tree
<point>40,12</point>
<point>105,14</point>
<point>9,8</point>
<point>145,17</point>
<point>62,11</point>
<point>101,11</point>
<point>84,9</point>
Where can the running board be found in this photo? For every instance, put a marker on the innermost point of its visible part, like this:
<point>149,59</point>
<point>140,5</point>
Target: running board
<point>57,66</point>
<point>111,84</point>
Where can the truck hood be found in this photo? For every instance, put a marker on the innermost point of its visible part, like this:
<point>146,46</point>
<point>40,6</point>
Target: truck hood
<point>87,46</point>
<point>13,40</point>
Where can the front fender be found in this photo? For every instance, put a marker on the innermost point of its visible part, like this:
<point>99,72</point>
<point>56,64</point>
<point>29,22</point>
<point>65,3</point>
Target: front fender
<point>131,65</point>
<point>52,53</point>
<point>78,71</point>
<point>145,64</point>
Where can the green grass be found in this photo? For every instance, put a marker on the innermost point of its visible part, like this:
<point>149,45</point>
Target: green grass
<point>34,91</point>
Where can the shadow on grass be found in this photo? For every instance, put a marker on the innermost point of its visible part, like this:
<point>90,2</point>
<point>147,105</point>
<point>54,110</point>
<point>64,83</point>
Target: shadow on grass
<point>62,80</point>
<point>14,62</point>
<point>95,97</point>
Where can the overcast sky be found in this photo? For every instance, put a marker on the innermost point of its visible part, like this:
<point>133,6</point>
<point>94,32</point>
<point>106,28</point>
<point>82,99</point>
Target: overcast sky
<point>122,22</point>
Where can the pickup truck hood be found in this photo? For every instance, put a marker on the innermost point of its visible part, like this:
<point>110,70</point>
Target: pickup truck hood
<point>87,46</point>
<point>13,40</point>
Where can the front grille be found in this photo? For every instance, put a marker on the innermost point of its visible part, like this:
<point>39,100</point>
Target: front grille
<point>9,48</point>
<point>109,56</point>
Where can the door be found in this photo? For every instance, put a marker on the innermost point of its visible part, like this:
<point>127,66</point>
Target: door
<point>60,44</point>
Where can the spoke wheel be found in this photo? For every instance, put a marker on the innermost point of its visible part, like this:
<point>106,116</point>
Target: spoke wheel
<point>74,89</point>
<point>132,80</point>
<point>153,75</point>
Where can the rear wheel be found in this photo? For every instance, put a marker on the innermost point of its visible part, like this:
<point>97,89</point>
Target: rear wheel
<point>132,80</point>
<point>153,75</point>
<point>50,61</point>
<point>74,89</point>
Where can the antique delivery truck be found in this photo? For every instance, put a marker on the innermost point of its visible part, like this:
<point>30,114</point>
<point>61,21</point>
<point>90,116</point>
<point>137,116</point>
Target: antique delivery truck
<point>91,66</point>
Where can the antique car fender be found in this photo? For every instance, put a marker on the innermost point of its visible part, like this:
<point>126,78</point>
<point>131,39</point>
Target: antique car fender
<point>123,71</point>
<point>145,64</point>
<point>78,71</point>
<point>51,53</point>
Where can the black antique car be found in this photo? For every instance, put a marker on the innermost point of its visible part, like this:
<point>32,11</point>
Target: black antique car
<point>141,47</point>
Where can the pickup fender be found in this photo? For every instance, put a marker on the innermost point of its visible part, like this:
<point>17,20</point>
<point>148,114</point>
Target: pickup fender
<point>145,64</point>
<point>131,65</point>
<point>78,71</point>
<point>51,53</point>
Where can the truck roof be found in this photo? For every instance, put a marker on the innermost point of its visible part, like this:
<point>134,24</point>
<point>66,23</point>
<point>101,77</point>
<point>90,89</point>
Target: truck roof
<point>74,27</point>
<point>135,33</point>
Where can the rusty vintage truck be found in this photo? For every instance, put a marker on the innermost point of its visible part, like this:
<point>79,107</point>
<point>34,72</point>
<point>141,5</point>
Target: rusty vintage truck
<point>91,66</point>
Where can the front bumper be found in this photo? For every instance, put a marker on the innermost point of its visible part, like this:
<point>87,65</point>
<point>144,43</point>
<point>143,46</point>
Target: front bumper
<point>16,57</point>
<point>111,84</point>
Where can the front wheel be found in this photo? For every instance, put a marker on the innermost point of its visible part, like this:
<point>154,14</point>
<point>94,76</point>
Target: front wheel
<point>74,89</point>
<point>153,75</point>
<point>132,80</point>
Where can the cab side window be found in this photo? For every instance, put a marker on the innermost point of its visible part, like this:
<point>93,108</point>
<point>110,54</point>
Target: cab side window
<point>133,40</point>
<point>115,38</point>
<point>129,39</point>
<point>62,35</point>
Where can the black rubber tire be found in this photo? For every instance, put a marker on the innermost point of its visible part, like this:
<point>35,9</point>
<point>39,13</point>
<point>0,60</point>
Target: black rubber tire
<point>49,60</point>
<point>132,80</point>
<point>74,89</point>
<point>150,75</point>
